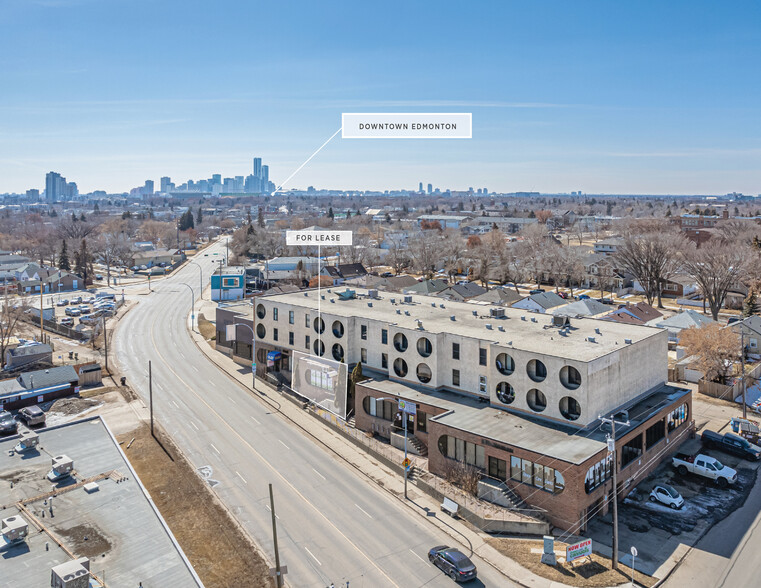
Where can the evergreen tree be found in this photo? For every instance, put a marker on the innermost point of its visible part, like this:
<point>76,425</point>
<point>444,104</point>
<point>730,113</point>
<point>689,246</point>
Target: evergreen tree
<point>388,218</point>
<point>63,258</point>
<point>126,214</point>
<point>260,218</point>
<point>53,213</point>
<point>186,220</point>
<point>96,208</point>
<point>74,217</point>
<point>330,213</point>
<point>199,216</point>
<point>82,217</point>
<point>750,305</point>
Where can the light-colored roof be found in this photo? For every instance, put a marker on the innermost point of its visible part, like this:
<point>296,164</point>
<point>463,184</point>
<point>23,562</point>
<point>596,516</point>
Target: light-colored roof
<point>522,329</point>
<point>684,320</point>
<point>582,308</point>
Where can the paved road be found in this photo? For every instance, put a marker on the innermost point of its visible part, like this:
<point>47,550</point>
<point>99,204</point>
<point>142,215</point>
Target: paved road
<point>333,525</point>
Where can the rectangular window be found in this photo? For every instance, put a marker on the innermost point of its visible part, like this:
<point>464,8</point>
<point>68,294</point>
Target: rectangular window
<point>306,341</point>
<point>482,357</point>
<point>274,313</point>
<point>482,385</point>
<point>306,321</point>
<point>538,476</point>
<point>655,433</point>
<point>384,336</point>
<point>549,479</point>
<point>497,468</point>
<point>229,282</point>
<point>290,338</point>
<point>455,351</point>
<point>480,457</point>
<point>384,361</point>
<point>451,453</point>
<point>274,334</point>
<point>363,355</point>
<point>528,472</point>
<point>363,332</point>
<point>422,421</point>
<point>455,377</point>
<point>291,317</point>
<point>515,468</point>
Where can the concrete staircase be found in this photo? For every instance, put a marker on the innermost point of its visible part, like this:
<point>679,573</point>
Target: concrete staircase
<point>419,446</point>
<point>498,492</point>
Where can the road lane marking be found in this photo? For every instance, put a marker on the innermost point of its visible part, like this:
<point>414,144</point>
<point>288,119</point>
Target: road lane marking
<point>232,400</point>
<point>272,468</point>
<point>267,506</point>
<point>312,554</point>
<point>194,425</point>
<point>241,477</point>
<point>283,444</point>
<point>363,510</point>
<point>257,422</point>
<point>177,406</point>
<point>420,558</point>
<point>214,448</point>
<point>318,473</point>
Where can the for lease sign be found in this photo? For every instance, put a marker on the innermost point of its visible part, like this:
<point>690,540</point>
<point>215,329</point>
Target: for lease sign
<point>581,549</point>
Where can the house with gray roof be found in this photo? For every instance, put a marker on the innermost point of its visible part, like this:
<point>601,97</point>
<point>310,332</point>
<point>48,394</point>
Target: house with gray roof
<point>501,296</point>
<point>542,302</point>
<point>462,292</point>
<point>38,386</point>
<point>684,320</point>
<point>28,354</point>
<point>587,307</point>
<point>428,287</point>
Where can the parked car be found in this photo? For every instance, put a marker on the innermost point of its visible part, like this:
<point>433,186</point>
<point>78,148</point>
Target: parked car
<point>731,443</point>
<point>536,291</point>
<point>31,415</point>
<point>72,311</point>
<point>705,466</point>
<point>135,268</point>
<point>665,494</point>
<point>143,267</point>
<point>386,275</point>
<point>8,426</point>
<point>98,276</point>
<point>67,321</point>
<point>62,302</point>
<point>90,300</point>
<point>76,300</point>
<point>605,300</point>
<point>583,297</point>
<point>563,295</point>
<point>734,319</point>
<point>105,296</point>
<point>84,308</point>
<point>453,562</point>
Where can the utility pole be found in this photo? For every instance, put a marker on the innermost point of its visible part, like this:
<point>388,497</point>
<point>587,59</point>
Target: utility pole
<point>42,331</point>
<point>150,394</point>
<point>278,574</point>
<point>742,361</point>
<point>612,450</point>
<point>105,342</point>
<point>220,282</point>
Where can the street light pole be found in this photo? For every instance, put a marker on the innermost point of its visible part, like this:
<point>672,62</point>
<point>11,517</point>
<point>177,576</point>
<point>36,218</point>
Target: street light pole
<point>742,362</point>
<point>404,413</point>
<point>200,269</point>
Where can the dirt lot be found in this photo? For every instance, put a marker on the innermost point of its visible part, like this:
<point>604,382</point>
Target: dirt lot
<point>184,501</point>
<point>596,573</point>
<point>206,327</point>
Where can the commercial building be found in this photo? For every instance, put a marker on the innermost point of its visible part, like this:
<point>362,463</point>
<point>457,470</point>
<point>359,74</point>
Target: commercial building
<point>229,283</point>
<point>38,386</point>
<point>515,394</point>
<point>96,526</point>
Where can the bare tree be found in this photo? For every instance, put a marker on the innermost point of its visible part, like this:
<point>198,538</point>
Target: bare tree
<point>398,254</point>
<point>9,316</point>
<point>424,251</point>
<point>717,268</point>
<point>68,228</point>
<point>716,347</point>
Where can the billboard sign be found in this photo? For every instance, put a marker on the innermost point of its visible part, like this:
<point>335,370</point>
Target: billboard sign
<point>327,238</point>
<point>407,406</point>
<point>581,549</point>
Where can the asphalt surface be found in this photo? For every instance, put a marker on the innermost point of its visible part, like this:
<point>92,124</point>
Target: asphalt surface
<point>333,524</point>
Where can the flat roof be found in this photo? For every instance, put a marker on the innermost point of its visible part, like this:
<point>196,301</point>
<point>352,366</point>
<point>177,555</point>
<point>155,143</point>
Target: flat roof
<point>523,330</point>
<point>126,535</point>
<point>548,438</point>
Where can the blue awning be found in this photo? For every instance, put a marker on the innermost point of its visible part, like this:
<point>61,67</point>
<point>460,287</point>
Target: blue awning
<point>274,355</point>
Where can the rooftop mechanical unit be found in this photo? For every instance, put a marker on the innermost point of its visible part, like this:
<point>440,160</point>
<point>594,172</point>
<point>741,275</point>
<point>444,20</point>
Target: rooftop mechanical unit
<point>497,312</point>
<point>14,530</point>
<point>62,467</point>
<point>72,574</point>
<point>28,442</point>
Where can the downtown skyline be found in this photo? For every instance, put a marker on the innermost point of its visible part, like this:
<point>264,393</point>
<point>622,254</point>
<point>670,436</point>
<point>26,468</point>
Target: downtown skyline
<point>646,99</point>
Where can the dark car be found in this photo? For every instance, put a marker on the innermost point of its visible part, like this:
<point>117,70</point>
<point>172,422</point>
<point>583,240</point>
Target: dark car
<point>537,291</point>
<point>605,300</point>
<point>31,415</point>
<point>584,297</point>
<point>563,295</point>
<point>731,443</point>
<point>386,275</point>
<point>8,425</point>
<point>453,562</point>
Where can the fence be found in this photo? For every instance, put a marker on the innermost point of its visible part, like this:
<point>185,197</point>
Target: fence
<point>729,391</point>
<point>488,517</point>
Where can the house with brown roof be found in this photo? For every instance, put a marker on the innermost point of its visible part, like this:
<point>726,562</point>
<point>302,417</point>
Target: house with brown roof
<point>634,314</point>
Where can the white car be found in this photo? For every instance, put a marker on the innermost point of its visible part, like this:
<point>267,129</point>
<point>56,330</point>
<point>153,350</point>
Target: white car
<point>667,495</point>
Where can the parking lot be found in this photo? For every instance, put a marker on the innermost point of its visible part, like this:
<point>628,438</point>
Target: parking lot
<point>662,534</point>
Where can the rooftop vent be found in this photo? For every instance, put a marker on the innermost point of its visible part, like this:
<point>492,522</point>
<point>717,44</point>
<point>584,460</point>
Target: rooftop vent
<point>407,313</point>
<point>433,305</point>
<point>441,306</point>
<point>398,311</point>
<point>628,341</point>
<point>452,318</point>
<point>497,312</point>
<point>533,319</point>
<point>408,299</point>
<point>369,304</point>
<point>393,300</point>
<point>488,326</point>
<point>373,293</point>
<point>475,313</point>
<point>306,293</point>
<point>322,296</point>
<point>598,331</point>
<point>501,328</point>
<point>591,339</point>
<point>523,317</point>
<point>332,300</point>
<point>419,324</point>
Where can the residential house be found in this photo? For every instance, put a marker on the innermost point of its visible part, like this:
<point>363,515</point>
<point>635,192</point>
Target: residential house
<point>587,307</point>
<point>446,221</point>
<point>507,224</point>
<point>542,302</point>
<point>156,257</point>
<point>428,287</point>
<point>634,314</point>
<point>675,287</point>
<point>684,320</point>
<point>599,267</point>
<point>462,292</point>
<point>608,246</point>
<point>750,328</point>
<point>343,271</point>
<point>501,296</point>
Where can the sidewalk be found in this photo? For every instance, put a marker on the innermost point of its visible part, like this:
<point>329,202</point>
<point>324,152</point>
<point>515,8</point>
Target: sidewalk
<point>419,503</point>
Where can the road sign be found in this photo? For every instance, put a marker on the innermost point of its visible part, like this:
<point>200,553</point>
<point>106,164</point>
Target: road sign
<point>408,407</point>
<point>634,551</point>
<point>283,571</point>
<point>253,365</point>
<point>406,462</point>
<point>581,549</point>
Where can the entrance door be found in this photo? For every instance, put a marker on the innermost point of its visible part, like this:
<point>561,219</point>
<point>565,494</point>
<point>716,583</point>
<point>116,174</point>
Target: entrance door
<point>410,423</point>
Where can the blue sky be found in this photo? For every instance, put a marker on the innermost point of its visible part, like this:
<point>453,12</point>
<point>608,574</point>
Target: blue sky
<point>621,97</point>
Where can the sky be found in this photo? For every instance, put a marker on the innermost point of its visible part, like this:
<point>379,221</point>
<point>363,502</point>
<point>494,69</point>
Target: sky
<point>603,97</point>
